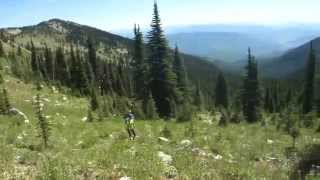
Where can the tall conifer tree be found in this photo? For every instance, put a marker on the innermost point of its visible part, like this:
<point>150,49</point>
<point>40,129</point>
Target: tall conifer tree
<point>308,98</point>
<point>180,70</point>
<point>34,60</point>
<point>250,91</point>
<point>61,69</point>
<point>92,55</point>
<point>162,78</point>
<point>2,52</point>
<point>49,62</point>
<point>140,65</point>
<point>221,92</point>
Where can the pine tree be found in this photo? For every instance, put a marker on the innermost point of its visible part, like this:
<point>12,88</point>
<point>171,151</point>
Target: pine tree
<point>106,84</point>
<point>82,83</point>
<point>5,105</point>
<point>120,81</point>
<point>141,70</point>
<point>250,91</point>
<point>34,60</point>
<point>1,78</point>
<point>49,63</point>
<point>149,108</point>
<point>92,56</point>
<point>221,92</point>
<point>162,78</point>
<point>19,52</point>
<point>89,72</point>
<point>42,121</point>
<point>198,98</point>
<point>2,52</point>
<point>180,71</point>
<point>308,99</point>
<point>94,104</point>
<point>42,67</point>
<point>288,97</point>
<point>267,100</point>
<point>61,69</point>
<point>74,68</point>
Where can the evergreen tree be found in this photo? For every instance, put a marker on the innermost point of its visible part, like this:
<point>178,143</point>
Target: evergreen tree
<point>82,82</point>
<point>94,104</point>
<point>5,105</point>
<point>49,63</point>
<point>149,108</point>
<point>106,84</point>
<point>34,60</point>
<point>42,67</point>
<point>250,91</point>
<point>19,50</point>
<point>221,92</point>
<point>308,99</point>
<point>92,56</point>
<point>2,52</point>
<point>162,78</point>
<point>288,97</point>
<point>180,71</point>
<point>42,121</point>
<point>120,81</point>
<point>61,69</point>
<point>140,66</point>
<point>1,78</point>
<point>267,100</point>
<point>74,68</point>
<point>198,98</point>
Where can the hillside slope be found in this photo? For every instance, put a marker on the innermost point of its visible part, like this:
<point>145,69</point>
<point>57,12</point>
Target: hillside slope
<point>101,149</point>
<point>291,64</point>
<point>110,47</point>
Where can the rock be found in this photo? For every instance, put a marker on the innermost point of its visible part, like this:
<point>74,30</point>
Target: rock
<point>165,158</point>
<point>217,157</point>
<point>186,143</point>
<point>125,178</point>
<point>16,111</point>
<point>19,137</point>
<point>163,139</point>
<point>46,100</point>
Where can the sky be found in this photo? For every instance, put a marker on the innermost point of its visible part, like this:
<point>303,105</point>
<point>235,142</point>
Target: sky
<point>122,14</point>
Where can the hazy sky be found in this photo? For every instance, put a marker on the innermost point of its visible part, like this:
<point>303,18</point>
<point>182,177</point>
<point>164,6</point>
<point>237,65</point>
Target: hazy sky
<point>122,14</point>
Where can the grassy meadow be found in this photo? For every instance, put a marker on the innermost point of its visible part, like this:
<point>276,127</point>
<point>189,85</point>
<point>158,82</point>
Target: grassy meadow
<point>101,150</point>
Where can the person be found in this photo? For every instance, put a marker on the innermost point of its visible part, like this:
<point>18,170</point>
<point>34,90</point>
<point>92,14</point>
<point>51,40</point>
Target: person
<point>129,121</point>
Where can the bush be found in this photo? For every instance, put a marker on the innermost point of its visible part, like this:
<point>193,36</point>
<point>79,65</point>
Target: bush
<point>185,113</point>
<point>190,131</point>
<point>308,120</point>
<point>165,132</point>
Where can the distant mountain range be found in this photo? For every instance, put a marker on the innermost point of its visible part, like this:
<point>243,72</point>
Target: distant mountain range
<point>229,42</point>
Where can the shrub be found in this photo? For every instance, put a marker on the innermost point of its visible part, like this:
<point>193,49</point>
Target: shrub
<point>165,132</point>
<point>185,113</point>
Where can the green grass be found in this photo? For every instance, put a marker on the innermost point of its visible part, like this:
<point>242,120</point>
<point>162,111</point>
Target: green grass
<point>101,150</point>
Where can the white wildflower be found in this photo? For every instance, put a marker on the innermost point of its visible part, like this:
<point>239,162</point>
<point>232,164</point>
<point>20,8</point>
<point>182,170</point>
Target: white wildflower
<point>269,141</point>
<point>85,119</point>
<point>125,178</point>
